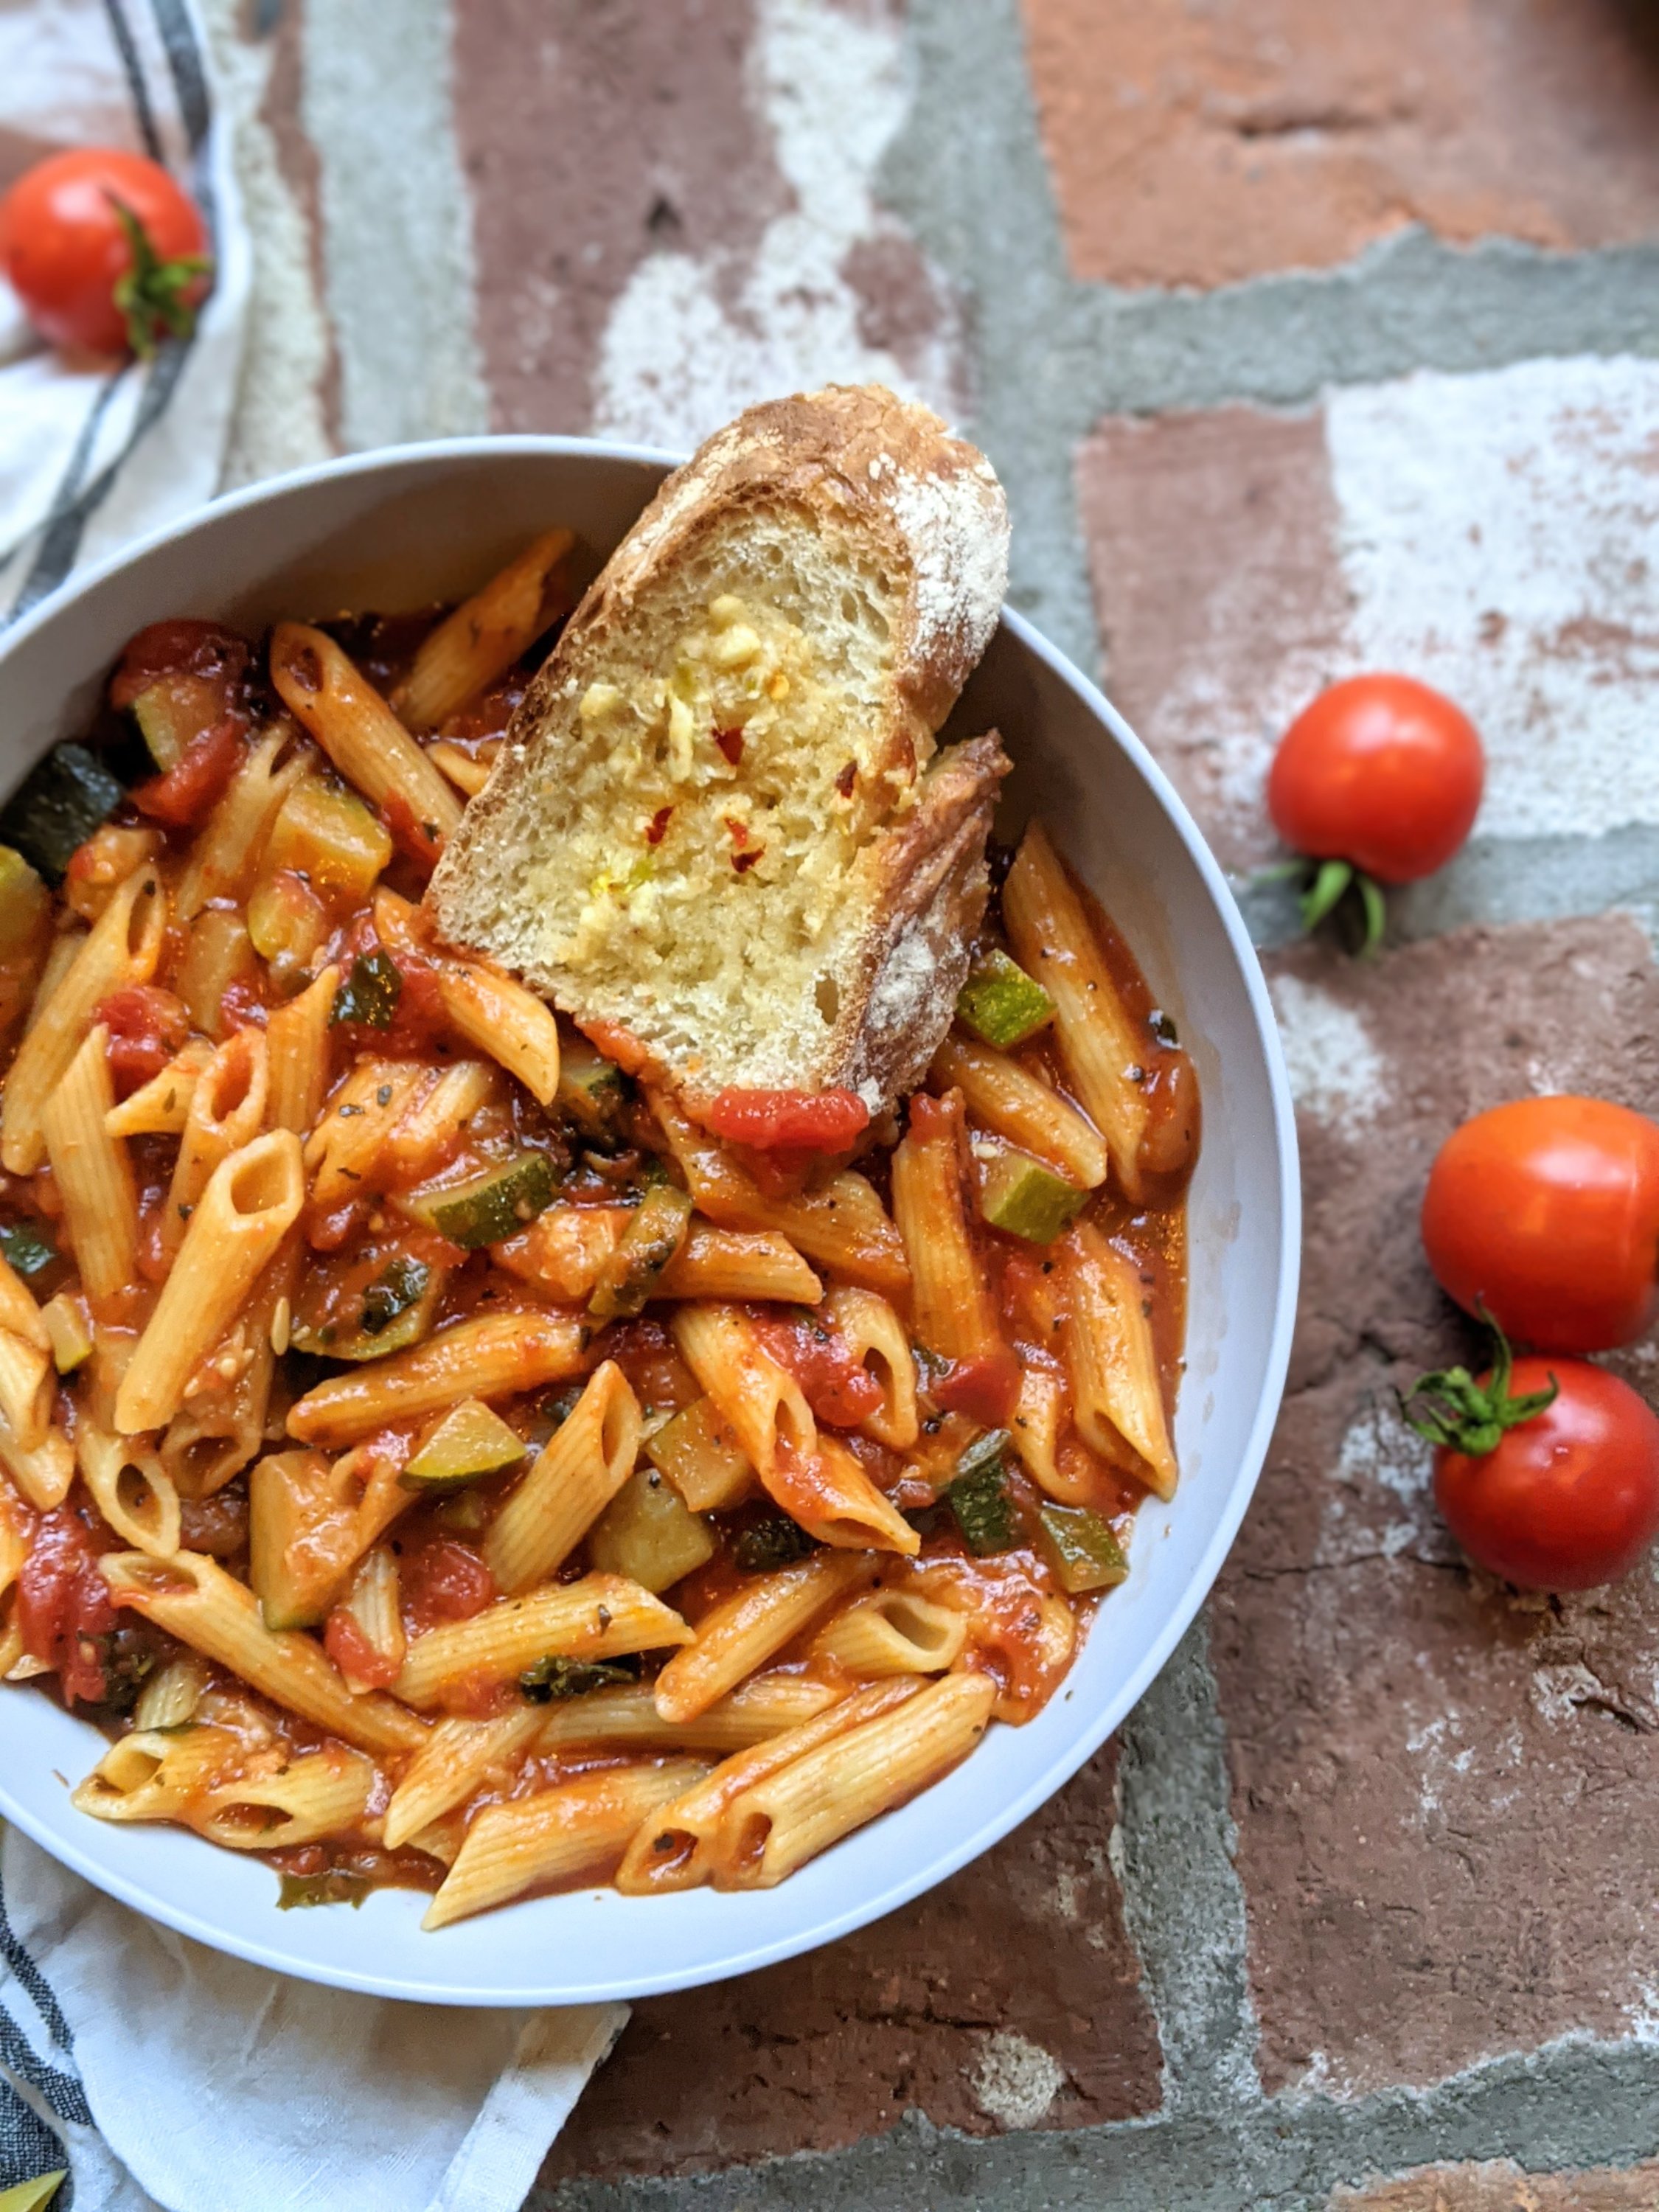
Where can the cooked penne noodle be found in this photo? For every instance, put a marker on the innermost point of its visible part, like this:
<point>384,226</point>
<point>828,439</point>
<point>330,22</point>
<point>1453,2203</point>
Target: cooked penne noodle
<point>27,1376</point>
<point>582,1827</point>
<point>222,857</point>
<point>671,1851</point>
<point>1010,1101</point>
<point>363,738</point>
<point>833,1498</point>
<point>157,1774</point>
<point>800,1811</point>
<point>219,1429</point>
<point>159,1108</point>
<point>492,1357</point>
<point>93,1173</point>
<point>123,947</point>
<point>61,954</point>
<point>600,1617</point>
<point>1050,931</point>
<point>252,1200</point>
<point>131,1491</point>
<point>1035,1431</point>
<point>453,1763</point>
<point>357,1121</point>
<point>1116,1392</point>
<point>738,1637</point>
<point>951,1308</point>
<point>373,1606</point>
<point>763,1405</point>
<point>486,634</point>
<point>731,1263</point>
<point>876,1337</point>
<point>466,771</point>
<point>296,1039</point>
<point>435,1117</point>
<point>757,1710</point>
<point>844,1226</point>
<point>322,1793</point>
<point>170,1695</point>
<point>16,1535</point>
<point>194,1599</point>
<point>586,1463</point>
<point>227,1111</point>
<point>892,1632</point>
<point>44,1473</point>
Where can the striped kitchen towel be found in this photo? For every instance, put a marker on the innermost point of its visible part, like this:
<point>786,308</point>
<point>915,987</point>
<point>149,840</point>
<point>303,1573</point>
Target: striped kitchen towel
<point>164,2075</point>
<point>94,453</point>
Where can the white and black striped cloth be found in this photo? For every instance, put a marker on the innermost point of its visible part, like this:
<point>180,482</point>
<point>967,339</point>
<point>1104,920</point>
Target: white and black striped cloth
<point>94,453</point>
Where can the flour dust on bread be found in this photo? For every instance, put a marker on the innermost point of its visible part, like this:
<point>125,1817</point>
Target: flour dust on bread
<point>720,835</point>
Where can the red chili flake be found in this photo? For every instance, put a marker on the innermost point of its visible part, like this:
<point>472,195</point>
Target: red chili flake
<point>739,829</point>
<point>730,744</point>
<point>846,779</point>
<point>659,829</point>
<point>741,861</point>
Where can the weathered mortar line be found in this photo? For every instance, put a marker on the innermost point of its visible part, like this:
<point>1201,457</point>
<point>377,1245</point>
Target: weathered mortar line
<point>1578,2104</point>
<point>396,219</point>
<point>1183,1901</point>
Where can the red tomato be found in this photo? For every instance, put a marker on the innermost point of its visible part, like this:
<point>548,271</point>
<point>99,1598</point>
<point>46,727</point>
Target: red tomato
<point>147,1026</point>
<point>986,1389</point>
<point>1380,771</point>
<point>1568,1499</point>
<point>838,1388</point>
<point>207,651</point>
<point>442,1580</point>
<point>801,1120</point>
<point>192,787</point>
<point>353,1654</point>
<point>104,251</point>
<point>64,1607</point>
<point>1546,1212</point>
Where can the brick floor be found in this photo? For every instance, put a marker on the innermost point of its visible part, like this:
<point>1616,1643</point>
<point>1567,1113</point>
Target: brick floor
<point>1201,145</point>
<point>1497,2185</point>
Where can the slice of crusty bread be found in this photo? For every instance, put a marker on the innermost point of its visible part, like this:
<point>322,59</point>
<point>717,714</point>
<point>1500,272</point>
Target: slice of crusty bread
<point>719,834</point>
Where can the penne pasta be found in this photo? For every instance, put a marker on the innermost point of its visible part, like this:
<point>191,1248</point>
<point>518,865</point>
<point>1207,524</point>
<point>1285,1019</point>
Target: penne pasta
<point>93,1173</point>
<point>160,1107</point>
<point>1050,931</point>
<point>753,1713</point>
<point>836,1502</point>
<point>466,771</point>
<point>562,1251</point>
<point>586,1463</point>
<point>296,1043</point>
<point>131,1491</point>
<point>1116,1391</point>
<point>486,634</point>
<point>452,1765</point>
<point>876,1337</point>
<point>372,1608</point>
<point>27,1374</point>
<point>671,1852</point>
<point>494,1355</point>
<point>123,947</point>
<point>741,1634</point>
<point>792,1816</point>
<point>227,1111</point>
<point>760,1402</point>
<point>322,1793</point>
<point>252,1200</point>
<point>223,856</point>
<point>579,1828</point>
<point>43,1473</point>
<point>194,1599</point>
<point>892,1632</point>
<point>158,1773</point>
<point>435,1117</point>
<point>343,1147</point>
<point>731,1263</point>
<point>952,1310</point>
<point>600,1617</point>
<point>1009,1100</point>
<point>487,1008</point>
<point>363,738</point>
<point>219,1428</point>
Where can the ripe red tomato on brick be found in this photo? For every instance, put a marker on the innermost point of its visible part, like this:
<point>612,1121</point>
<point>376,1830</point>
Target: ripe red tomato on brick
<point>1380,771</point>
<point>104,251</point>
<point>1545,1212</point>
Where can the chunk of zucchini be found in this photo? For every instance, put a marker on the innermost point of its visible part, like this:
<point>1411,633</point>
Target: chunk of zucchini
<point>325,833</point>
<point>1081,1547</point>
<point>490,1206</point>
<point>1021,1196</point>
<point>469,1441</point>
<point>302,1536</point>
<point>649,1533</point>
<point>1000,1003</point>
<point>628,1275</point>
<point>592,1093</point>
<point>56,808</point>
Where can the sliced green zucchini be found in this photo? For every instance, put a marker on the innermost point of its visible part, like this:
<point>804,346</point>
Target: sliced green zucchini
<point>1020,1195</point>
<point>26,1251</point>
<point>56,808</point>
<point>302,1537</point>
<point>592,1093</point>
<point>649,1533</point>
<point>360,1319</point>
<point>469,1441</point>
<point>25,905</point>
<point>980,1497</point>
<point>1080,1547</point>
<point>325,833</point>
<point>490,1206</point>
<point>701,1458</point>
<point>1000,1003</point>
<point>654,1234</point>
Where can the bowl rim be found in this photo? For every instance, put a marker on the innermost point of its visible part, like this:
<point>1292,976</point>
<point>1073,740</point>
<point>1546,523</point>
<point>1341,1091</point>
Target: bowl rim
<point>1080,1746</point>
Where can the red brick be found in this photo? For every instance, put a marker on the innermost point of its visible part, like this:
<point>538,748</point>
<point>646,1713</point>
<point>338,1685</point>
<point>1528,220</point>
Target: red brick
<point>1201,145</point>
<point>1436,1785</point>
<point>1497,2185</point>
<point>1026,1943</point>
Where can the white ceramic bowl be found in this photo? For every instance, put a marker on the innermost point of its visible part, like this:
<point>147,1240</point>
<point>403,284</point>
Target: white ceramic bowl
<point>399,528</point>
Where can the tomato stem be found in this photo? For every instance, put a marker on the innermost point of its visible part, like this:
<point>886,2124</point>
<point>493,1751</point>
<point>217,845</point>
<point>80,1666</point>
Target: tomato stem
<point>1321,895</point>
<point>153,295</point>
<point>1463,1415</point>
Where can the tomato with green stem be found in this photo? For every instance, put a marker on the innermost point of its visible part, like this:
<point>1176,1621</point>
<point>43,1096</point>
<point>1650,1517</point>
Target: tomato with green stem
<point>106,252</point>
<point>1548,1473</point>
<point>1377,783</point>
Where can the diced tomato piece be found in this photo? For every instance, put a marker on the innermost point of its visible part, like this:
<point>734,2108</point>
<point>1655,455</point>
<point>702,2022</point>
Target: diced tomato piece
<point>986,1388</point>
<point>807,1120</point>
<point>838,1388</point>
<point>178,648</point>
<point>64,1607</point>
<point>420,842</point>
<point>353,1654</point>
<point>147,1026</point>
<point>188,794</point>
<point>443,1580</point>
<point>418,1019</point>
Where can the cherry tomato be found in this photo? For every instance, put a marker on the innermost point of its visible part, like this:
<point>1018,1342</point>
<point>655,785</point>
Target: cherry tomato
<point>1380,771</point>
<point>147,1026</point>
<point>1567,1499</point>
<point>104,251</point>
<point>1546,1211</point>
<point>800,1120</point>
